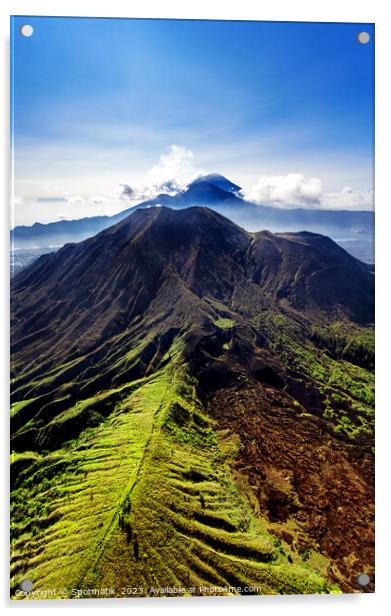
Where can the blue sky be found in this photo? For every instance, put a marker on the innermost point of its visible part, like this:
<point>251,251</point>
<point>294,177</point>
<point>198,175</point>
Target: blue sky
<point>280,108</point>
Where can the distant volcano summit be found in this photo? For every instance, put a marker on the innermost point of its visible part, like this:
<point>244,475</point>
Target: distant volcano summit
<point>215,179</point>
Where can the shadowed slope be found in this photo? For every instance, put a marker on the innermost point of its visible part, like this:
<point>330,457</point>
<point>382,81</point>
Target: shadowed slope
<point>94,289</point>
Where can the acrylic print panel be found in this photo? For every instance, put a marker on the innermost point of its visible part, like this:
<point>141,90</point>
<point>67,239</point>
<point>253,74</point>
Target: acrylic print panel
<point>192,308</point>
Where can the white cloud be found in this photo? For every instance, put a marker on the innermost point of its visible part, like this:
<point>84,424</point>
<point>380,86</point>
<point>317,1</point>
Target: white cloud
<point>295,190</point>
<point>176,167</point>
<point>174,171</point>
<point>285,190</point>
<point>97,200</point>
<point>76,199</point>
<point>349,198</point>
<point>138,193</point>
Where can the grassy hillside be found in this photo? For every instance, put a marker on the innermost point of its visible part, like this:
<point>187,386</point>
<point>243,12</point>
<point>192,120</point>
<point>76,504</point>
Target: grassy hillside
<point>147,495</point>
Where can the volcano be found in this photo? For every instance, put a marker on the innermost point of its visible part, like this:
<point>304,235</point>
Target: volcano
<point>192,405</point>
<point>215,179</point>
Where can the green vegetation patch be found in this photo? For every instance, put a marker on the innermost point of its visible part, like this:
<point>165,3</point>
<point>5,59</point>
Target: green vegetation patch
<point>224,323</point>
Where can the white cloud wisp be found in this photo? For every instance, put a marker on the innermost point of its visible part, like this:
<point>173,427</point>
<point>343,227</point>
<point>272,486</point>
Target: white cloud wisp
<point>294,190</point>
<point>171,175</point>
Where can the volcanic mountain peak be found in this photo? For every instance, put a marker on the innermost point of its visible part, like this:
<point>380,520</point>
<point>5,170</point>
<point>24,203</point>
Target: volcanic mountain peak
<point>206,193</point>
<point>162,214</point>
<point>167,230</point>
<point>123,270</point>
<point>217,180</point>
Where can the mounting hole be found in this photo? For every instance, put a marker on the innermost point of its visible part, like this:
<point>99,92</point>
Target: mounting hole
<point>26,30</point>
<point>363,579</point>
<point>363,38</point>
<point>26,585</point>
